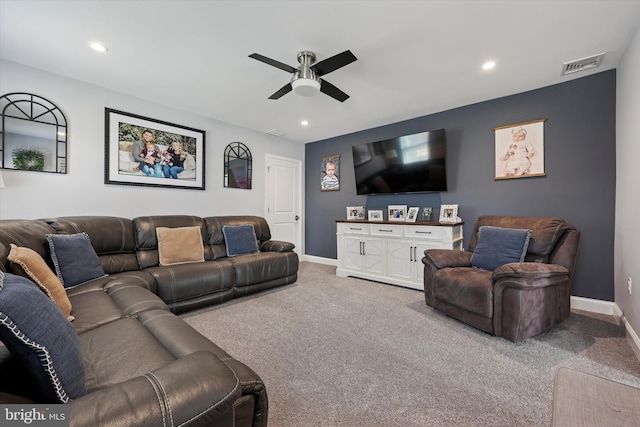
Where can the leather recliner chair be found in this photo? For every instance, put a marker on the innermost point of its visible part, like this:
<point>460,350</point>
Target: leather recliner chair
<point>516,300</point>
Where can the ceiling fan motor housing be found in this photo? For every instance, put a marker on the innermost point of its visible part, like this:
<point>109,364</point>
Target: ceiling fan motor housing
<point>304,81</point>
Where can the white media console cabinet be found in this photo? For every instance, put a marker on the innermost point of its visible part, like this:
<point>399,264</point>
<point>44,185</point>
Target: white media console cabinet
<point>391,252</point>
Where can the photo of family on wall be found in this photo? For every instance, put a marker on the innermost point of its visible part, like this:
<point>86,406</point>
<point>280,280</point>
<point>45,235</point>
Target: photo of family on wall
<point>143,151</point>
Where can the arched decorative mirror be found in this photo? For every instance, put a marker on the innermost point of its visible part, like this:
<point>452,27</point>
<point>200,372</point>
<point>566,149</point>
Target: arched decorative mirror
<point>34,134</point>
<point>237,166</point>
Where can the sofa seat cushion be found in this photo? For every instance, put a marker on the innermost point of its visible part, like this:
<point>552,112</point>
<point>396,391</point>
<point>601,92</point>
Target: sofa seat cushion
<point>186,281</point>
<point>118,351</point>
<point>466,287</point>
<point>107,299</point>
<point>251,269</point>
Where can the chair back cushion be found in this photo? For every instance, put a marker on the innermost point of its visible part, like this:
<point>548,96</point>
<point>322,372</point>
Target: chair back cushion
<point>546,232</point>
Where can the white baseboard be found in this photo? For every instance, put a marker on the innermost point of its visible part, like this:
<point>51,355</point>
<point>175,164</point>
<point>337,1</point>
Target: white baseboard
<point>320,260</point>
<point>594,306</point>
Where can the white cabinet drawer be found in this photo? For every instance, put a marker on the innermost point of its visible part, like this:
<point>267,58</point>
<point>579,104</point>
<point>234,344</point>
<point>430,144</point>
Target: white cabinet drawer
<point>356,228</point>
<point>386,230</point>
<point>424,232</point>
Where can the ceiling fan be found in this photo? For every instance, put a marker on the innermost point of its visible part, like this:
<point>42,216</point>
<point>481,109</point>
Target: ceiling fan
<point>305,79</point>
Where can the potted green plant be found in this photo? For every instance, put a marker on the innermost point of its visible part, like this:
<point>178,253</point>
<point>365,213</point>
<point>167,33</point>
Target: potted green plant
<point>28,159</point>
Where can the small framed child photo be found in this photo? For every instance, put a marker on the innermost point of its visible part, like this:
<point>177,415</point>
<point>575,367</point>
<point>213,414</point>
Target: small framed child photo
<point>449,213</point>
<point>330,173</point>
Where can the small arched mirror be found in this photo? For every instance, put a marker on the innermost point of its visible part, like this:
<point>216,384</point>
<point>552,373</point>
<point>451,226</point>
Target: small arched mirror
<point>34,134</point>
<point>237,166</point>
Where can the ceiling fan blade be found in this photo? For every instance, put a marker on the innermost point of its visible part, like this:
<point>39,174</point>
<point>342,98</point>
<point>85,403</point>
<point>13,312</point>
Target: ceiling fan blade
<point>329,89</point>
<point>282,91</point>
<point>331,64</point>
<point>272,62</point>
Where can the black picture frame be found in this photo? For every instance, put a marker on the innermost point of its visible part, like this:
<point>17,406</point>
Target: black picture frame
<point>123,130</point>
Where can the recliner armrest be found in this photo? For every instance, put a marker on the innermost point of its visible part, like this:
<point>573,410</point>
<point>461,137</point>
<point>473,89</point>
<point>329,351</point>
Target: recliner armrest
<point>442,258</point>
<point>277,246</point>
<point>198,389</point>
<point>529,270</point>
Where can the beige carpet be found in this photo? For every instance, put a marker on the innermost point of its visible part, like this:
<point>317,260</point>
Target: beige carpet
<point>348,352</point>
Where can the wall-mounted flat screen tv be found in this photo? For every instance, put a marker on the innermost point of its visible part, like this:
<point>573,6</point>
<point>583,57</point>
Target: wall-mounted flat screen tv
<point>406,164</point>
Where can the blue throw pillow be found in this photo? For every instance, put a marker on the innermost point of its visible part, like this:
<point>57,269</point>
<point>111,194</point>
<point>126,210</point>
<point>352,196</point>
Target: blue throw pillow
<point>74,258</point>
<point>240,239</point>
<point>37,334</point>
<point>498,246</point>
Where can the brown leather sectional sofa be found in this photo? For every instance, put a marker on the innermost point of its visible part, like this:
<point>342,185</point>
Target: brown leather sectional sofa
<point>143,364</point>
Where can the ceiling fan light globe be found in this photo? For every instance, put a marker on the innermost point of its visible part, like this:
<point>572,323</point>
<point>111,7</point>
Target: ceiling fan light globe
<point>306,87</point>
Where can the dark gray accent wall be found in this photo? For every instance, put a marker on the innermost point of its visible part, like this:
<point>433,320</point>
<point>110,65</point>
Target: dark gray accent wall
<point>579,186</point>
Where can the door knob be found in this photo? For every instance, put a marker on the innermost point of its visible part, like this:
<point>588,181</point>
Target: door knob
<point>297,217</point>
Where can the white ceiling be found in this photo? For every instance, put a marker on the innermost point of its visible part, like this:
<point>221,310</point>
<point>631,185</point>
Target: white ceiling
<point>414,57</point>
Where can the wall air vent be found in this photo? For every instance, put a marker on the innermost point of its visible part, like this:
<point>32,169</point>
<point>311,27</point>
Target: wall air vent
<point>276,132</point>
<point>582,64</point>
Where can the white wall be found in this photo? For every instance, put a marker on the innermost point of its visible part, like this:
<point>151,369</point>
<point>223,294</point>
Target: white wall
<point>627,239</point>
<point>82,191</point>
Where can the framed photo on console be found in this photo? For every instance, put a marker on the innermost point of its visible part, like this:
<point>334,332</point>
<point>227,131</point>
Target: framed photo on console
<point>397,212</point>
<point>412,215</point>
<point>355,212</point>
<point>449,213</point>
<point>426,214</point>
<point>375,215</point>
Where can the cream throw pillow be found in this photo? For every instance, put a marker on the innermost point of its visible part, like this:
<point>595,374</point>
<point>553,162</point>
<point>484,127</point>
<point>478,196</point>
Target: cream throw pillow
<point>37,269</point>
<point>179,245</point>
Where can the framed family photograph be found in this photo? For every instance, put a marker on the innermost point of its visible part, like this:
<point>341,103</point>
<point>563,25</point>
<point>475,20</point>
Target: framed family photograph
<point>330,173</point>
<point>520,150</point>
<point>397,212</point>
<point>449,213</point>
<point>147,152</point>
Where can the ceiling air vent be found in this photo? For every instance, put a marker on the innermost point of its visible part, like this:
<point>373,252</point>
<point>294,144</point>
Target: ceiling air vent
<point>582,64</point>
<point>276,132</point>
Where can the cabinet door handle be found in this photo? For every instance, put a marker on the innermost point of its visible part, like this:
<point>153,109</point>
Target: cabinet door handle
<point>415,254</point>
<point>363,253</point>
<point>360,248</point>
<point>410,253</point>
<point>386,231</point>
<point>423,232</point>
<point>353,228</point>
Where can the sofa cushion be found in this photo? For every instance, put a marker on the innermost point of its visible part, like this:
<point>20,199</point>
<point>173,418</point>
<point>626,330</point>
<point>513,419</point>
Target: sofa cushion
<point>240,239</point>
<point>38,335</point>
<point>74,258</point>
<point>179,245</point>
<point>498,246</point>
<point>32,264</point>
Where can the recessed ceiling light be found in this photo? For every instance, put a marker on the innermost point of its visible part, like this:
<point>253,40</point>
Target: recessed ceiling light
<point>98,47</point>
<point>488,65</point>
<point>304,123</point>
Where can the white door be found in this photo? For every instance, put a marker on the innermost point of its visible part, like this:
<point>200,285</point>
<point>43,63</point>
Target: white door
<point>284,200</point>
